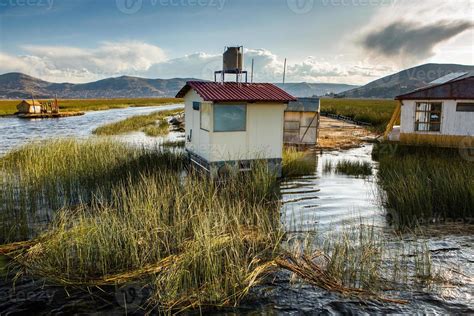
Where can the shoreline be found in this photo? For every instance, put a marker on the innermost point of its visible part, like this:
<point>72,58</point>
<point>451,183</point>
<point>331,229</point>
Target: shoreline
<point>89,105</point>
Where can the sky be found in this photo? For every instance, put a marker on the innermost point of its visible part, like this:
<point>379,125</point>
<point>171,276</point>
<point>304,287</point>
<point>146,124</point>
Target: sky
<point>333,41</point>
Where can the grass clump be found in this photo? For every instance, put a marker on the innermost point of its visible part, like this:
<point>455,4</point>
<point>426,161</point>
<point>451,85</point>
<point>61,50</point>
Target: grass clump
<point>354,168</point>
<point>297,163</point>
<point>358,262</point>
<point>146,123</point>
<point>375,112</point>
<point>425,185</point>
<point>328,166</point>
<point>194,241</point>
<point>8,107</point>
<point>40,178</point>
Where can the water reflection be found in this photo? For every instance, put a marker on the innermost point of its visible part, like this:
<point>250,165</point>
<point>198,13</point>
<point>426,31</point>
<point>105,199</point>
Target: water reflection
<point>15,132</point>
<point>330,200</point>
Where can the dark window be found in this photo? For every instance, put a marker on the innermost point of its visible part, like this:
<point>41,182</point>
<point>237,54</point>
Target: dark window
<point>230,117</point>
<point>465,107</point>
<point>196,105</point>
<point>428,117</point>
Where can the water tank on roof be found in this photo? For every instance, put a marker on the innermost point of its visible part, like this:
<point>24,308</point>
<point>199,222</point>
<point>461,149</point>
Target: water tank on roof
<point>233,59</point>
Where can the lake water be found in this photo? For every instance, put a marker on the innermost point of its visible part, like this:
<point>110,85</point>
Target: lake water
<point>328,201</point>
<point>15,131</point>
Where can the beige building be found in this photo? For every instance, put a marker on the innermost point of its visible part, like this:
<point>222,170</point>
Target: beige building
<point>234,124</point>
<point>29,107</point>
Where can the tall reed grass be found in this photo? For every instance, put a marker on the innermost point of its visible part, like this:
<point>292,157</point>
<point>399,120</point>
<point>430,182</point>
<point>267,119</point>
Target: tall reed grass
<point>298,163</point>
<point>136,216</point>
<point>206,238</point>
<point>40,178</point>
<point>354,168</point>
<point>425,184</point>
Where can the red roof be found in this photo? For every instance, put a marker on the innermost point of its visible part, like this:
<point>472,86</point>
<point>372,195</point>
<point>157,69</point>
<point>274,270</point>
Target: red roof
<point>233,91</point>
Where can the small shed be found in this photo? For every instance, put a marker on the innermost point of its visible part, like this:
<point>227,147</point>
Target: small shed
<point>302,122</point>
<point>29,107</point>
<point>234,124</point>
<point>440,114</point>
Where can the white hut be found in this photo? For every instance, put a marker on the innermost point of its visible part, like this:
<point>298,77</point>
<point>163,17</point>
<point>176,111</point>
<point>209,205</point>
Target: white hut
<point>440,114</point>
<point>231,123</point>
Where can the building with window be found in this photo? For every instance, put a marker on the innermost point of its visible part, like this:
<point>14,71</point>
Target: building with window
<point>441,113</point>
<point>234,124</point>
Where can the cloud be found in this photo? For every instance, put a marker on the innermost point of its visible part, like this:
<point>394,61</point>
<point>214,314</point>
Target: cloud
<point>411,40</point>
<point>66,63</point>
<point>78,65</point>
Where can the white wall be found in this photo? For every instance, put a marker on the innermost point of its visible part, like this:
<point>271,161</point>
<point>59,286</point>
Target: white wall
<point>263,138</point>
<point>452,122</point>
<point>199,143</point>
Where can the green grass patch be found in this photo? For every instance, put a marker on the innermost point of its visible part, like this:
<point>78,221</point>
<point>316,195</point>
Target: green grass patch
<point>424,184</point>
<point>8,107</point>
<point>297,163</point>
<point>153,124</point>
<point>373,111</point>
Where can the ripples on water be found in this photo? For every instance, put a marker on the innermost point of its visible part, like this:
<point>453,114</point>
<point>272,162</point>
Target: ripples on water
<point>16,132</point>
<point>329,200</point>
<point>322,201</point>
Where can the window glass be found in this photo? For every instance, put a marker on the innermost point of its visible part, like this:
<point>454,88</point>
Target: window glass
<point>196,105</point>
<point>206,116</point>
<point>428,117</point>
<point>230,117</point>
<point>465,107</point>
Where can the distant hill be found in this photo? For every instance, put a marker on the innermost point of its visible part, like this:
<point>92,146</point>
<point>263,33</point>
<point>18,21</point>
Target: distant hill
<point>19,86</point>
<point>304,89</point>
<point>404,81</point>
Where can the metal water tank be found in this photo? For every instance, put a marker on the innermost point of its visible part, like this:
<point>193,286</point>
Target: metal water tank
<point>233,59</point>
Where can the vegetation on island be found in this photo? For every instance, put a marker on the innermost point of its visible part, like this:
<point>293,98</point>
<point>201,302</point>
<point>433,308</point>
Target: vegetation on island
<point>8,107</point>
<point>154,124</point>
<point>94,212</point>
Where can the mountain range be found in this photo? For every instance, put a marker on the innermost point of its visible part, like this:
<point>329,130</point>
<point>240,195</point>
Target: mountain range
<point>20,86</point>
<point>404,81</point>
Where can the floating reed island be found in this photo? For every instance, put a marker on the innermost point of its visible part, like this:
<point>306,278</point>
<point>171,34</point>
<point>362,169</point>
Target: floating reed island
<point>96,213</point>
<point>48,115</point>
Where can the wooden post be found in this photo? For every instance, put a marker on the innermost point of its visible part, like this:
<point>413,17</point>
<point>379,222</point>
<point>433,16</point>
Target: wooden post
<point>395,116</point>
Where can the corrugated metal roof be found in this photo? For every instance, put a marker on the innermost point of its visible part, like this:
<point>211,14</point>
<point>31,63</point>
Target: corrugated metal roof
<point>233,91</point>
<point>459,86</point>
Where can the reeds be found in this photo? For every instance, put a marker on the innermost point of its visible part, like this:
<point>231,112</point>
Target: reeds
<point>425,185</point>
<point>298,163</point>
<point>153,124</point>
<point>195,240</point>
<point>354,168</point>
<point>40,178</point>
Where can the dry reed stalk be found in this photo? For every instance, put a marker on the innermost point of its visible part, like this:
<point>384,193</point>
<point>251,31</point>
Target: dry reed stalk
<point>308,270</point>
